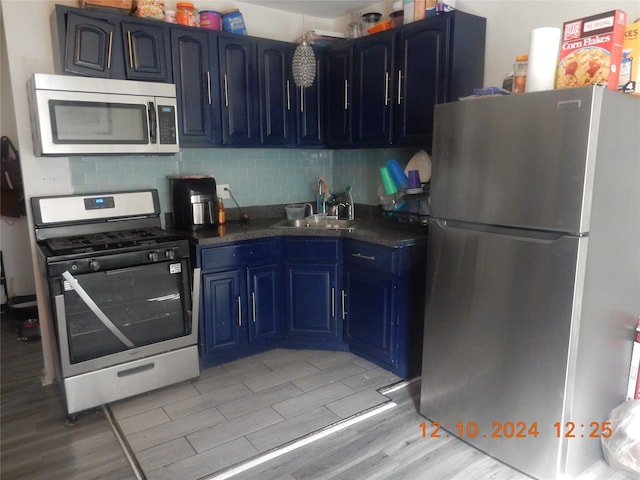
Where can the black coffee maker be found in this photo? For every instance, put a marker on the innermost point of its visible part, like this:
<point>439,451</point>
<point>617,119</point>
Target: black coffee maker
<point>195,202</point>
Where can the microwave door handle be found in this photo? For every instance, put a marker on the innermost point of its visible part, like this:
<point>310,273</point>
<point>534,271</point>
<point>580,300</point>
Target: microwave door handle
<point>152,123</point>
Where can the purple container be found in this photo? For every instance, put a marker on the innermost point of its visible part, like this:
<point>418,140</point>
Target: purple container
<point>211,20</point>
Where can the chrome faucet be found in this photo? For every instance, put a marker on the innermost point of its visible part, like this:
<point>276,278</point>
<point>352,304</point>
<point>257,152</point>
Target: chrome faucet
<point>343,205</point>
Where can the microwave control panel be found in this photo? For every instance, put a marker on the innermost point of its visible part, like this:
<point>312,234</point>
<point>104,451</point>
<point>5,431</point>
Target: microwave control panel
<point>167,124</point>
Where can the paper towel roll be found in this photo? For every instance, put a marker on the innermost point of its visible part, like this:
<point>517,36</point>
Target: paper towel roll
<point>543,57</point>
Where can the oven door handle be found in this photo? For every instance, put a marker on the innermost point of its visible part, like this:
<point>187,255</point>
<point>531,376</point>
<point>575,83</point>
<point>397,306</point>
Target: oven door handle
<point>96,309</point>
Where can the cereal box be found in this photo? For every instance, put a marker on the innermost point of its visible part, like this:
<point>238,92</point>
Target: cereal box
<point>629,81</point>
<point>591,50</point>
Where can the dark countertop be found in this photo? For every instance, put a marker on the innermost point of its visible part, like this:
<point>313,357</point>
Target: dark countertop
<point>375,231</point>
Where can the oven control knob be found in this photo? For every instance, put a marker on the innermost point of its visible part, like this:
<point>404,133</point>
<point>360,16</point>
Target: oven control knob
<point>94,265</point>
<point>153,256</point>
<point>170,254</point>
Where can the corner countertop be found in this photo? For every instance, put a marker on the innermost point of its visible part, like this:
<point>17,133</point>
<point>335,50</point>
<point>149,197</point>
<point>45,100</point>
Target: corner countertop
<point>379,232</point>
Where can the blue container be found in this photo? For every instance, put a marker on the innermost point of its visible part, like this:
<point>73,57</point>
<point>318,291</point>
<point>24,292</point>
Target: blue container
<point>233,22</point>
<point>397,174</point>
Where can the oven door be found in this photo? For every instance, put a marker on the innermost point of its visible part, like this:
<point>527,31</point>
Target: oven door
<point>107,318</point>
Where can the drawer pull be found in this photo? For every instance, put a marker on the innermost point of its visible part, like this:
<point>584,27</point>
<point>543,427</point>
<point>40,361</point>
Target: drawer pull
<point>136,370</point>
<point>239,312</point>
<point>366,257</point>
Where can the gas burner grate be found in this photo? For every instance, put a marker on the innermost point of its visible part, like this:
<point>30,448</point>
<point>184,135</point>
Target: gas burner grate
<point>97,242</point>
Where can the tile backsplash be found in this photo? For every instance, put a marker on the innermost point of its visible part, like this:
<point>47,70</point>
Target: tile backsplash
<point>256,176</point>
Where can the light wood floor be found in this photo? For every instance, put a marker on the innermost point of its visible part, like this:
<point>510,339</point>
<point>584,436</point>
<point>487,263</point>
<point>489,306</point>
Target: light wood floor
<point>37,443</point>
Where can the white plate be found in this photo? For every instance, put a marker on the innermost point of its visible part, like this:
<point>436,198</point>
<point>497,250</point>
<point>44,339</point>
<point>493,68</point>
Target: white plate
<point>421,162</point>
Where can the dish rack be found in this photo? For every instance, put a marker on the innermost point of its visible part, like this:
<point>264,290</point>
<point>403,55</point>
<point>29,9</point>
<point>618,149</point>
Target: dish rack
<point>413,209</point>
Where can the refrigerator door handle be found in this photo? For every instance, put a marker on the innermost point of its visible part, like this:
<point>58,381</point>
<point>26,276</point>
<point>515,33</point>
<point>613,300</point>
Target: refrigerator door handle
<point>523,233</point>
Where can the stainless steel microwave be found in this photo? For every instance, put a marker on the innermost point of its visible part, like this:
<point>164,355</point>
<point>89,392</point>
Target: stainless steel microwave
<point>73,115</point>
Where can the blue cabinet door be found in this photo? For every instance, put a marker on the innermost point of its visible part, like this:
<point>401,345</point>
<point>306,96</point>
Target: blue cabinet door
<point>238,83</point>
<point>275,92</point>
<point>308,108</point>
<point>91,46</point>
<point>374,86</point>
<point>195,60</point>
<point>312,301</point>
<point>338,96</point>
<point>421,77</point>
<point>371,312</point>
<point>223,316</point>
<point>147,51</point>
<point>265,303</point>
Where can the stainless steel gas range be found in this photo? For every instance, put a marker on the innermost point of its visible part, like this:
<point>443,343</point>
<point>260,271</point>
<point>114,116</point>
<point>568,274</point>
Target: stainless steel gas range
<point>120,288</point>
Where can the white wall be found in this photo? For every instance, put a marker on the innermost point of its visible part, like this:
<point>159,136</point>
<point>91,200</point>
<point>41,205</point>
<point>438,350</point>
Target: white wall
<point>509,24</point>
<point>14,232</point>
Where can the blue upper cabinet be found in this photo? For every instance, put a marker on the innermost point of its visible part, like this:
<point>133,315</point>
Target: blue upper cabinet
<point>338,102</point>
<point>275,90</point>
<point>309,113</point>
<point>147,51</point>
<point>373,89</point>
<point>100,44</point>
<point>235,90</point>
<point>238,83</point>
<point>437,60</point>
<point>195,73</point>
<point>89,47</point>
<point>399,75</point>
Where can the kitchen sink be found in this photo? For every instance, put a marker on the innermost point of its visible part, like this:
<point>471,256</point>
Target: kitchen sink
<point>317,222</point>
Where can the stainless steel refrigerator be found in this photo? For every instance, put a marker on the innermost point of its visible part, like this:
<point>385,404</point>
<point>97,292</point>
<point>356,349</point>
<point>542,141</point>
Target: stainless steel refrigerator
<point>533,274</point>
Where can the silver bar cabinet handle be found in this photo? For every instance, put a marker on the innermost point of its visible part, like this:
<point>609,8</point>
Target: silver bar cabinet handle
<point>253,305</point>
<point>226,91</point>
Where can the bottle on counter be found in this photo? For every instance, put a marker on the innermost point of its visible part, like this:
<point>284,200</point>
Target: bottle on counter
<point>520,73</point>
<point>222,218</point>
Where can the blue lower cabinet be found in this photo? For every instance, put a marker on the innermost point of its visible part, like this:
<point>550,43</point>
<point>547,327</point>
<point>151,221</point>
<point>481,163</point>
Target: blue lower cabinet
<point>370,306</point>
<point>384,304</point>
<point>328,293</point>
<point>313,293</point>
<point>265,304</point>
<point>242,298</point>
<point>224,307</point>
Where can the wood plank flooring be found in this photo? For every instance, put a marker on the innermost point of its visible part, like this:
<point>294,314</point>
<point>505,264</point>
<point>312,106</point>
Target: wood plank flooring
<point>242,409</point>
<point>37,443</point>
<point>262,411</point>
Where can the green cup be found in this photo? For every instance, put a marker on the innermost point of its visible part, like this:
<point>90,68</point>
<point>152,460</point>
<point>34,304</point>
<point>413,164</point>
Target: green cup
<point>389,185</point>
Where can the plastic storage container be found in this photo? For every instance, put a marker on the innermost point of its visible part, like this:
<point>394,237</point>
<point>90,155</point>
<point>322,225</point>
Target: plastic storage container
<point>295,211</point>
<point>232,21</point>
<point>211,20</point>
<point>186,14</point>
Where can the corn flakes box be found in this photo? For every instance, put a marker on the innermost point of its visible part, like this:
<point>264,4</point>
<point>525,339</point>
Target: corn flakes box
<point>629,81</point>
<point>591,50</point>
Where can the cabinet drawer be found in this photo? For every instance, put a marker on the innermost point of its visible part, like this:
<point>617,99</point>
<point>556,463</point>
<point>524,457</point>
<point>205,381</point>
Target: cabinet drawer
<point>371,256</point>
<point>308,248</point>
<point>238,254</point>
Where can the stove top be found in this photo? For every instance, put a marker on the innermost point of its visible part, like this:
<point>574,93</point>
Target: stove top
<point>101,241</point>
